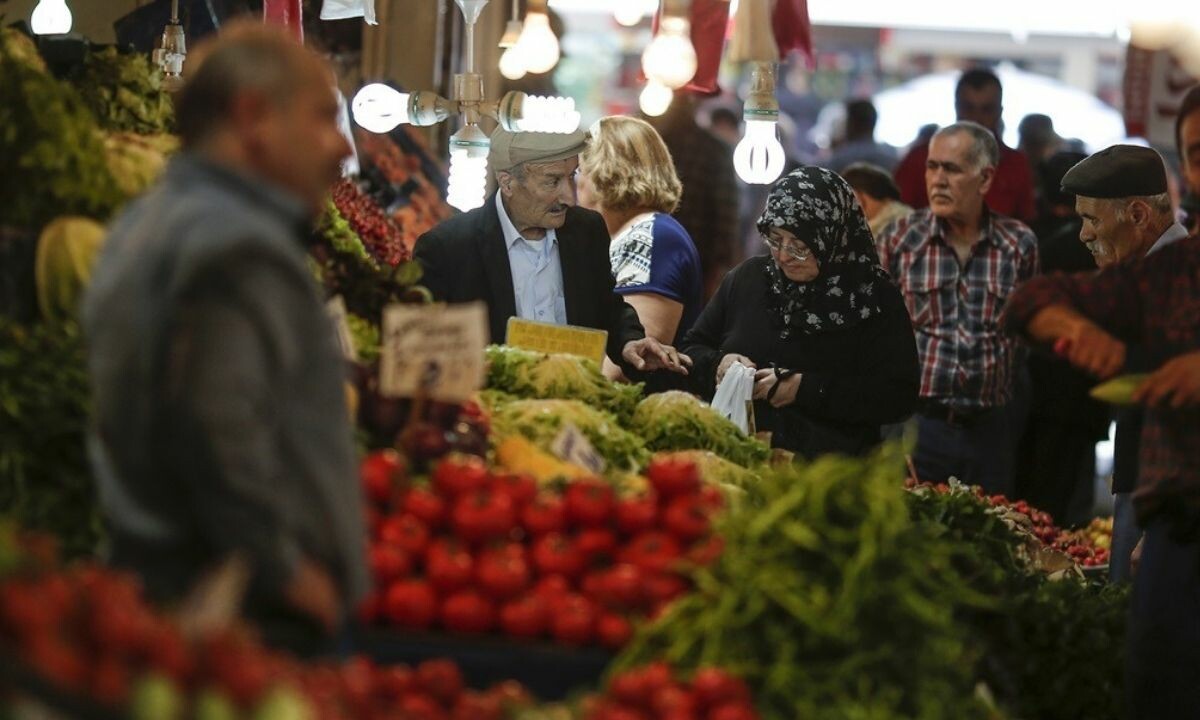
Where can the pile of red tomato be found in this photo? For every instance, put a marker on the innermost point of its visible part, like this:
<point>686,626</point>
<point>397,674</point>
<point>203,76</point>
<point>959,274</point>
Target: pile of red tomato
<point>479,552</point>
<point>655,691</point>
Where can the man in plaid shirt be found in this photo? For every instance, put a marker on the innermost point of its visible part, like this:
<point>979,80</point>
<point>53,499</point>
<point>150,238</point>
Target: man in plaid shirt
<point>956,263</point>
<point>1151,306</point>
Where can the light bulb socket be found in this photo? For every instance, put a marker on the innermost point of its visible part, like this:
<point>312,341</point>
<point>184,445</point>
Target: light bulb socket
<point>760,103</point>
<point>427,108</point>
<point>512,33</point>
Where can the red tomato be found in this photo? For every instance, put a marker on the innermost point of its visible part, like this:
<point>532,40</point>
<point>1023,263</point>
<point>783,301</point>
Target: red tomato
<point>613,631</point>
<point>502,573</point>
<point>482,515</point>
<point>713,498</point>
<point>460,474</point>
<point>369,610</point>
<point>713,687</point>
<point>110,682</point>
<point>707,551</point>
<point>394,682</point>
<point>511,694</point>
<point>474,706</point>
<point>521,488</point>
<point>553,590</point>
<point>596,544</point>
<point>410,603</point>
<point>673,699</point>
<point>671,477</point>
<point>467,612</point>
<point>406,532</point>
<point>734,711</point>
<point>592,585</point>
<point>663,587</point>
<point>656,676</point>
<point>419,706</point>
<point>686,518</point>
<point>556,554</point>
<point>546,514</point>
<point>621,587</point>
<point>653,552</point>
<point>425,506</point>
<point>637,514</point>
<point>449,566</point>
<point>616,712</point>
<point>388,563</point>
<point>630,688</point>
<point>358,681</point>
<point>525,617</point>
<point>381,472</point>
<point>589,503</point>
<point>575,622</point>
<point>442,679</point>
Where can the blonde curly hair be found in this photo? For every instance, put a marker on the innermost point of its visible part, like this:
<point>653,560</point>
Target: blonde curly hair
<point>629,166</point>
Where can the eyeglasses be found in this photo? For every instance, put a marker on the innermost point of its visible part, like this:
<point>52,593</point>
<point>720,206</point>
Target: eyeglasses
<point>796,250</point>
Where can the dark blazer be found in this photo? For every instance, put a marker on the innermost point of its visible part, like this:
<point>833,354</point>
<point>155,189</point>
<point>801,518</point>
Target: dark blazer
<point>465,258</point>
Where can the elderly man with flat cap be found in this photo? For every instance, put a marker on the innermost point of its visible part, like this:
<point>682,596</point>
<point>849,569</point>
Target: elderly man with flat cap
<point>529,252</point>
<point>1121,195</point>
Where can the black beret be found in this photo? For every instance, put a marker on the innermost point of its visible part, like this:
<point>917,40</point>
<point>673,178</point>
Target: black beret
<point>1116,172</point>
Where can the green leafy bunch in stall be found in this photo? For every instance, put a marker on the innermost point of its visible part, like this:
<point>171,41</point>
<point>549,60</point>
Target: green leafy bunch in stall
<point>125,93</point>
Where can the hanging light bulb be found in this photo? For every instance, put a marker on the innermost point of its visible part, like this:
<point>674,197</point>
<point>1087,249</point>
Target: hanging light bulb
<point>655,98</point>
<point>670,58</point>
<point>379,108</point>
<point>51,17</point>
<point>538,45</point>
<point>758,159</point>
<point>631,12</point>
<point>537,113</point>
<point>512,65</point>
<point>467,185</point>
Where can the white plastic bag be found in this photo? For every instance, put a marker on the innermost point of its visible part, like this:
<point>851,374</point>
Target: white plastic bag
<point>733,394</point>
<point>344,9</point>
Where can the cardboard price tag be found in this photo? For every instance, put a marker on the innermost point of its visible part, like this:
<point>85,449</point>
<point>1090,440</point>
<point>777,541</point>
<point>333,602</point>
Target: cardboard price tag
<point>433,351</point>
<point>573,446</point>
<point>336,308</point>
<point>549,338</point>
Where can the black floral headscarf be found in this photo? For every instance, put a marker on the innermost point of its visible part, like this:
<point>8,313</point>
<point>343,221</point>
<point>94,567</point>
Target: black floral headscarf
<point>819,208</point>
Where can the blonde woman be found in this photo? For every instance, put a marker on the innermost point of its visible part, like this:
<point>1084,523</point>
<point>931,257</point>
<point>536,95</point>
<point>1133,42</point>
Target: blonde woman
<point>626,174</point>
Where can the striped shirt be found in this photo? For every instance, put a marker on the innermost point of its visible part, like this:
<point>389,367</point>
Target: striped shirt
<point>966,360</point>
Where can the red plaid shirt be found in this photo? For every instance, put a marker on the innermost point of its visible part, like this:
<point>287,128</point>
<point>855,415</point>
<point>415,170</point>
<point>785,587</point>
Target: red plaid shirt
<point>1153,305</point>
<point>966,361</point>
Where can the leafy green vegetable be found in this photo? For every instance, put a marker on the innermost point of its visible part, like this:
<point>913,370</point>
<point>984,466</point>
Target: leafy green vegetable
<point>20,47</point>
<point>51,151</point>
<point>829,599</point>
<point>529,374</point>
<point>45,483</point>
<point>676,420</point>
<point>366,338</point>
<point>125,92</point>
<point>136,161</point>
<point>542,420</point>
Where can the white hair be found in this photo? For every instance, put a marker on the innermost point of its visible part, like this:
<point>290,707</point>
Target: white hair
<point>1159,204</point>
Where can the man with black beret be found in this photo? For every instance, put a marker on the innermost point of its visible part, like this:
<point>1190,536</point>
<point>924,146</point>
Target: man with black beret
<point>1121,194</point>
<point>529,252</point>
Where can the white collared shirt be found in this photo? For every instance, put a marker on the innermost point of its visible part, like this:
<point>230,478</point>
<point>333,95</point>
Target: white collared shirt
<point>536,272</point>
<point>1174,233</point>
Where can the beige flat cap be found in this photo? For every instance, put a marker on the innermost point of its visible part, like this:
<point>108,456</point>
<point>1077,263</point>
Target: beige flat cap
<point>510,149</point>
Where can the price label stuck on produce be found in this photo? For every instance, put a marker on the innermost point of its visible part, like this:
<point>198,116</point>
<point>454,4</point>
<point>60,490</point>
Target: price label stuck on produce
<point>548,338</point>
<point>435,351</point>
<point>573,446</point>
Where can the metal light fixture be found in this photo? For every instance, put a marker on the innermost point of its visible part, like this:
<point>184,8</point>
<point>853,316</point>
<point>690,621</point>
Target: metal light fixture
<point>379,109</point>
<point>172,50</point>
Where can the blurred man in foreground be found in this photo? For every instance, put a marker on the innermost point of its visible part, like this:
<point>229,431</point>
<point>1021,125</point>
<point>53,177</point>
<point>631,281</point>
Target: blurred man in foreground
<point>1151,306</point>
<point>220,420</point>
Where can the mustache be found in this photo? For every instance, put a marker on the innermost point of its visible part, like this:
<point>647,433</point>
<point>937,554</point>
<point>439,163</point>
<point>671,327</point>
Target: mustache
<point>559,208</point>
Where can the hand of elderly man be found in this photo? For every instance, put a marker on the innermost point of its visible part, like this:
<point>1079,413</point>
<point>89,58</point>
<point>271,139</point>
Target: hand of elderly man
<point>1089,348</point>
<point>1175,385</point>
<point>649,354</point>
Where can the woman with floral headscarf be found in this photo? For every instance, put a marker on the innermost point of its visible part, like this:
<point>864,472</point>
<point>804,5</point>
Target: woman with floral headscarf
<point>819,320</point>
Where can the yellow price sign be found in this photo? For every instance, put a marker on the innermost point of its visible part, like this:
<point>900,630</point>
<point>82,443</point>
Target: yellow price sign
<point>547,338</point>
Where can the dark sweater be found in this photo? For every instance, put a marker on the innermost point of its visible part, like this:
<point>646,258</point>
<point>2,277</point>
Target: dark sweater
<point>854,380</point>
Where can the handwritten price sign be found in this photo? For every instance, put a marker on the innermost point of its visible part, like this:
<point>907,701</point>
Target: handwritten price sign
<point>434,351</point>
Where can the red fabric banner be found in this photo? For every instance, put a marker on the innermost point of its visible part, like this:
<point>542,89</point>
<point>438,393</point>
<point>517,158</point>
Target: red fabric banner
<point>709,19</point>
<point>286,13</point>
<point>793,29</point>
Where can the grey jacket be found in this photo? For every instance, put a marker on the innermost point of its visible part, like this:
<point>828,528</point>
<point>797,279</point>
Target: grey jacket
<point>220,421</point>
